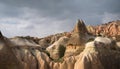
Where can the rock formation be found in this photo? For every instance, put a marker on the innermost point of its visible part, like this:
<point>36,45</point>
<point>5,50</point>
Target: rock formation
<point>49,40</point>
<point>21,41</point>
<point>7,56</point>
<point>111,29</point>
<point>88,59</point>
<point>97,56</point>
<point>80,27</point>
<point>79,34</point>
<point>58,47</point>
<point>91,29</point>
<point>79,37</point>
<point>28,53</point>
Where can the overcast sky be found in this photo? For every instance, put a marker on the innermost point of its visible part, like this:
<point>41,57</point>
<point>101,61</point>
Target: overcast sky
<point>44,17</point>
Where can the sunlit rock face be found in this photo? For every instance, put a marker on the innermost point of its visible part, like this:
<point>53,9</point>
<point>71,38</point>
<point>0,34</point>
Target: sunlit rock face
<point>88,59</point>
<point>98,55</point>
<point>110,29</point>
<point>76,49</point>
<point>79,36</point>
<point>57,49</point>
<point>22,41</point>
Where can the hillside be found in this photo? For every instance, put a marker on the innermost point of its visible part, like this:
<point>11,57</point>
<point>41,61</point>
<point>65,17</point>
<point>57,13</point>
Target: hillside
<point>85,47</point>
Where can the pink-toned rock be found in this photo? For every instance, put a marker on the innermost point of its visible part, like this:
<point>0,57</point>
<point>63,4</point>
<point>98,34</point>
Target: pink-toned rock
<point>111,29</point>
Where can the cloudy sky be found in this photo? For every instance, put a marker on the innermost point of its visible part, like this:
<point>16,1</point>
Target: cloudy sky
<point>44,17</point>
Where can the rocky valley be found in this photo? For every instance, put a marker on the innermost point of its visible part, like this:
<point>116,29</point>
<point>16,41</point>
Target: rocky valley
<point>85,47</point>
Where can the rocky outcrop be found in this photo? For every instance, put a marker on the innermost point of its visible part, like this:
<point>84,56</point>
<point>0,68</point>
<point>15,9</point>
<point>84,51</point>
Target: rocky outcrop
<point>35,41</point>
<point>79,36</point>
<point>111,29</point>
<point>58,47</point>
<point>7,56</point>
<point>28,52</point>
<point>97,56</point>
<point>80,27</point>
<point>22,41</point>
<point>49,40</point>
<point>91,29</point>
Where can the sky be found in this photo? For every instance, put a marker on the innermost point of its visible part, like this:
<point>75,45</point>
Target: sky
<point>40,18</point>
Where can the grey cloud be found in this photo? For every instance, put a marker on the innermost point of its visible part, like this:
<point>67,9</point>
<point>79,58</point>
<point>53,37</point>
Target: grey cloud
<point>62,8</point>
<point>60,15</point>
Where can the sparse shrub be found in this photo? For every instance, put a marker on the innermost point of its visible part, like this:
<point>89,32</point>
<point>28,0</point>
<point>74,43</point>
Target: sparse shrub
<point>61,51</point>
<point>47,53</point>
<point>91,39</point>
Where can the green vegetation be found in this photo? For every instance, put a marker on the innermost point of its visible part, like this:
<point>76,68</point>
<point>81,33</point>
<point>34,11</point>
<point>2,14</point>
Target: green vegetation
<point>61,50</point>
<point>91,39</point>
<point>46,52</point>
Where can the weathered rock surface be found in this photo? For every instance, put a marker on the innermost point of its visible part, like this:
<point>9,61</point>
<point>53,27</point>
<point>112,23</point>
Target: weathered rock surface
<point>7,56</point>
<point>57,48</point>
<point>111,29</point>
<point>79,37</point>
<point>27,52</point>
<point>22,41</point>
<point>93,57</point>
<point>96,56</point>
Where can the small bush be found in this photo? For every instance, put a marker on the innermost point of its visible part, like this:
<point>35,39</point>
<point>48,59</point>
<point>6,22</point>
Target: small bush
<point>61,51</point>
<point>46,52</point>
<point>91,39</point>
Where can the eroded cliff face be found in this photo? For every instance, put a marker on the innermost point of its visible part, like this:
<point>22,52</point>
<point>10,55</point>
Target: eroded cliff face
<point>8,60</point>
<point>28,52</point>
<point>79,36</point>
<point>111,29</point>
<point>30,57</point>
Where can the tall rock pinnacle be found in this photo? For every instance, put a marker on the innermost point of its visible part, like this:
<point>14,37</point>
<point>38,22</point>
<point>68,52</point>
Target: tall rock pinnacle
<point>80,27</point>
<point>79,34</point>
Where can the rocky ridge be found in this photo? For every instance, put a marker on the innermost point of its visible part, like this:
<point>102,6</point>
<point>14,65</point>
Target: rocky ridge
<point>29,53</point>
<point>110,29</point>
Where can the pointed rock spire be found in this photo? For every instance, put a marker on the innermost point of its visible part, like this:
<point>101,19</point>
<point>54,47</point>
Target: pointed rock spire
<point>78,36</point>
<point>80,27</point>
<point>0,33</point>
<point>1,36</point>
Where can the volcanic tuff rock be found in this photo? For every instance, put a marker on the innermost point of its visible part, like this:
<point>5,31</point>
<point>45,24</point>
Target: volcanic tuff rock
<point>79,36</point>
<point>96,56</point>
<point>35,41</point>
<point>21,41</point>
<point>80,27</point>
<point>91,29</point>
<point>7,56</point>
<point>111,29</point>
<point>28,54</point>
<point>32,58</point>
<point>58,47</point>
